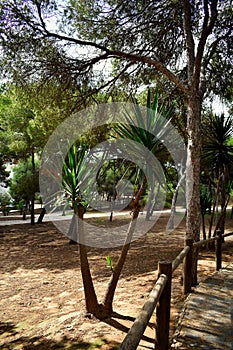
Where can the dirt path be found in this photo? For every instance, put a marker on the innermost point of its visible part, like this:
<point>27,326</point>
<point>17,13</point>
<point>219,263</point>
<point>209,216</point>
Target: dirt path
<point>42,301</point>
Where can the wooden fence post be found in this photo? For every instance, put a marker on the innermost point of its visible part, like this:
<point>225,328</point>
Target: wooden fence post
<point>188,267</point>
<point>163,308</point>
<point>218,250</point>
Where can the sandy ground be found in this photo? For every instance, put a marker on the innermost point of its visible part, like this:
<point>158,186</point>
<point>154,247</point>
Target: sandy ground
<point>42,300</point>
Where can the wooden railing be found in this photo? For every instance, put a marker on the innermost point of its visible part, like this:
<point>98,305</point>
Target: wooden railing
<point>160,296</point>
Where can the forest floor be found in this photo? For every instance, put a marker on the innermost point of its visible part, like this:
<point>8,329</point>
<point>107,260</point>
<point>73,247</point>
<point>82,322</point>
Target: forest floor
<point>42,299</point>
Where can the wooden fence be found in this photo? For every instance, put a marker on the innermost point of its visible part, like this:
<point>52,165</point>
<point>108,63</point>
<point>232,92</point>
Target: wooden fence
<point>160,296</point>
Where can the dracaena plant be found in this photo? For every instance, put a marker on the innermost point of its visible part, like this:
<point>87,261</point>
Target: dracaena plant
<point>147,129</point>
<point>73,175</point>
<point>217,162</point>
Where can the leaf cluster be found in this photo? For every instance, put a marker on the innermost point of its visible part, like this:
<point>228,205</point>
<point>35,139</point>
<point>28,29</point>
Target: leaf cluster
<point>217,152</point>
<point>73,173</point>
<point>67,41</point>
<point>25,181</point>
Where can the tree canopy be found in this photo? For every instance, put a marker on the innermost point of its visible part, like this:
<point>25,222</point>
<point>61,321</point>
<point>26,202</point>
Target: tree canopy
<point>66,41</point>
<point>187,44</point>
<point>24,182</point>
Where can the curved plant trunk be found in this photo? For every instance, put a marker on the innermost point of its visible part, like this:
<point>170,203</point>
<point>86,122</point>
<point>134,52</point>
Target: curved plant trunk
<point>89,290</point>
<point>108,299</point>
<point>41,216</point>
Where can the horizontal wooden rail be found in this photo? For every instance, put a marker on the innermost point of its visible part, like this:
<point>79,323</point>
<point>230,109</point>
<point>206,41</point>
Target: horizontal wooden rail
<point>135,333</point>
<point>179,259</point>
<point>227,234</point>
<point>209,240</point>
<point>160,296</point>
<point>204,242</point>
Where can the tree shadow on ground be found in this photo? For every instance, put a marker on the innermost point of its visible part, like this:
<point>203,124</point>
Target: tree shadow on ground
<point>120,326</point>
<point>9,330</point>
<point>42,343</point>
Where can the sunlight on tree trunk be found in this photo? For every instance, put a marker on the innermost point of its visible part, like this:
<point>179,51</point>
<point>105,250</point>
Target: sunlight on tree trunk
<point>193,175</point>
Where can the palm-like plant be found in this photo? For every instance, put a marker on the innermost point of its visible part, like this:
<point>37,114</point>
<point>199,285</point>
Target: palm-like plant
<point>142,130</point>
<point>216,147</point>
<point>73,171</point>
<point>73,174</point>
<point>217,160</point>
<point>148,131</point>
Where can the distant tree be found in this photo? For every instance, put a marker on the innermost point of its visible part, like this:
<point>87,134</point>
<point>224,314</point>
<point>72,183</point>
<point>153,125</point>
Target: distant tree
<point>109,175</point>
<point>5,200</point>
<point>25,181</point>
<point>4,174</point>
<point>26,126</point>
<point>5,104</point>
<point>23,138</point>
<point>217,161</point>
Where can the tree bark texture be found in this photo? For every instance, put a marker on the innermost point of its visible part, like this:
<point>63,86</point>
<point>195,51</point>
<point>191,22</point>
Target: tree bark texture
<point>193,219</point>
<point>193,167</point>
<point>89,290</point>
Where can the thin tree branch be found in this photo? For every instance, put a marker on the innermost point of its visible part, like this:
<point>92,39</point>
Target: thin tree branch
<point>64,37</point>
<point>155,63</point>
<point>206,31</point>
<point>190,47</point>
<point>115,53</point>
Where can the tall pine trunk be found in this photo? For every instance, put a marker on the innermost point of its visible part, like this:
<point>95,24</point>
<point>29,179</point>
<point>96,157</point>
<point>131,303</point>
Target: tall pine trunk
<point>193,172</point>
